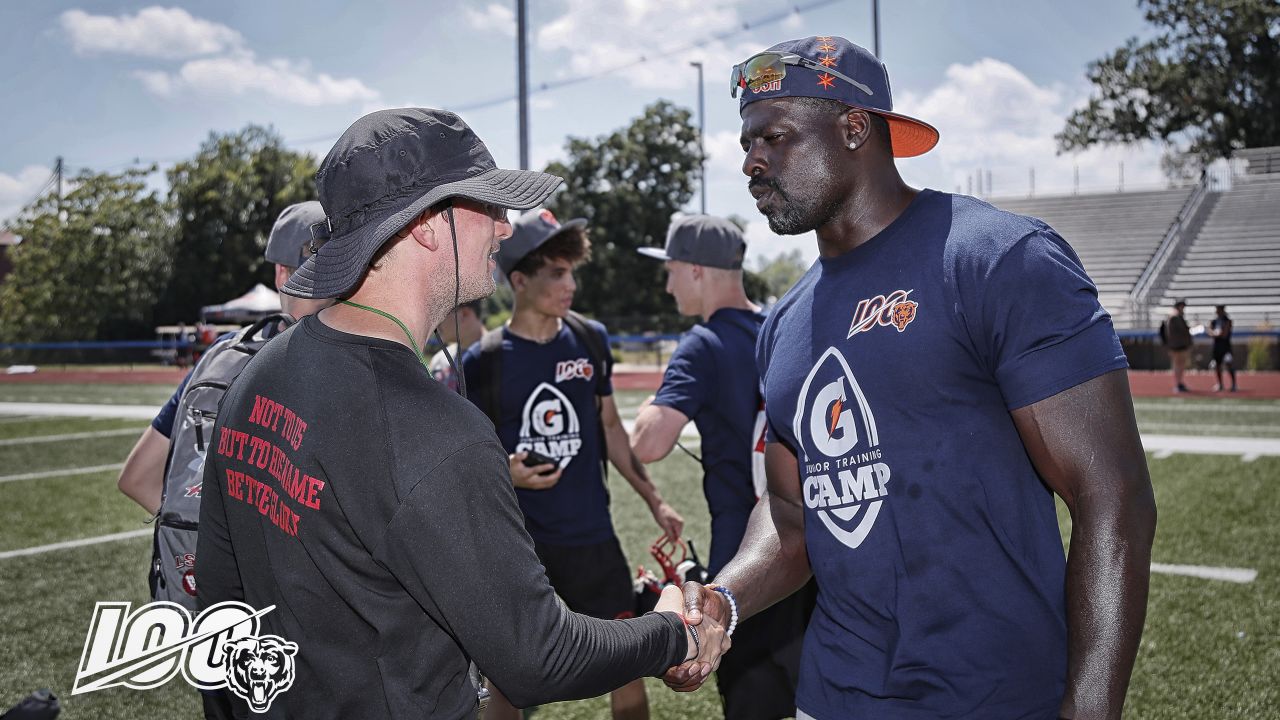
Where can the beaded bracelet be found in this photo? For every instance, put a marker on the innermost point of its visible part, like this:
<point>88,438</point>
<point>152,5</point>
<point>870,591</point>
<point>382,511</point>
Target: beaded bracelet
<point>733,608</point>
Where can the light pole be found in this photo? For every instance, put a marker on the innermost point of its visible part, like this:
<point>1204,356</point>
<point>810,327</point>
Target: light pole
<point>522,83</point>
<point>875,24</point>
<point>702,135</point>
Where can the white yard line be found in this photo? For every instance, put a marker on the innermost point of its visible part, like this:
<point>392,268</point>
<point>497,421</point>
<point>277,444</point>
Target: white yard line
<point>1272,408</point>
<point>1247,448</point>
<point>1161,445</point>
<point>136,412</point>
<point>32,439</point>
<point>65,472</point>
<point>1217,430</point>
<point>1235,575</point>
<point>689,431</point>
<point>16,418</point>
<point>75,543</point>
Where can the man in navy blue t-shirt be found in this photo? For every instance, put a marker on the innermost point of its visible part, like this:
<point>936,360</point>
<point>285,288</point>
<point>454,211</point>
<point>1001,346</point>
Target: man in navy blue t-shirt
<point>939,373</point>
<point>712,380</point>
<point>544,379</point>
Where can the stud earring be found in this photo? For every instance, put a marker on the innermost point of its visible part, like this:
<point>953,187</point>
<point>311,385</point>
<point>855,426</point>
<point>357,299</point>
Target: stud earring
<point>853,146</point>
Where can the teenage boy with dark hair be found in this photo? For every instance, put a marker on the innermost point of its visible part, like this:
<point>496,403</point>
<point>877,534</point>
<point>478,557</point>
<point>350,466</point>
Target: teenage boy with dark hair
<point>544,380</point>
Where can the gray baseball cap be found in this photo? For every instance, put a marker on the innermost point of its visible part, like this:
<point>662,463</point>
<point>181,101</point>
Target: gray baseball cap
<point>528,233</point>
<point>386,169</point>
<point>290,240</point>
<point>702,240</point>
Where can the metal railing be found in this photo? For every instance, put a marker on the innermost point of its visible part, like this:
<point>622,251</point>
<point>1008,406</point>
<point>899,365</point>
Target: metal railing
<point>1157,268</point>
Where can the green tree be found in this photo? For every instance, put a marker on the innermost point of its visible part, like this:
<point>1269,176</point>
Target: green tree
<point>227,198</point>
<point>628,184</point>
<point>780,272</point>
<point>1207,84</point>
<point>87,265</point>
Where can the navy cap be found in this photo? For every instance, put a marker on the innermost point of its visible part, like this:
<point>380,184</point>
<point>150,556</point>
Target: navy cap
<point>868,91</point>
<point>290,240</point>
<point>528,233</point>
<point>702,240</point>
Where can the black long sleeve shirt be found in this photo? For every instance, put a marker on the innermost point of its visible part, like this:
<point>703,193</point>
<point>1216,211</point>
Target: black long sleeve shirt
<point>374,509</point>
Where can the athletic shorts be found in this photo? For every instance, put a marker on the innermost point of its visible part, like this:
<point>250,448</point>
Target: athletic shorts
<point>592,580</point>
<point>1222,354</point>
<point>758,676</point>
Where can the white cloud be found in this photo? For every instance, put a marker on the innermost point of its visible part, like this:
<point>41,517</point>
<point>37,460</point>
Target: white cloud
<point>153,32</point>
<point>993,117</point>
<point>20,188</point>
<point>657,60</point>
<point>242,73</point>
<point>493,18</point>
<point>217,61</point>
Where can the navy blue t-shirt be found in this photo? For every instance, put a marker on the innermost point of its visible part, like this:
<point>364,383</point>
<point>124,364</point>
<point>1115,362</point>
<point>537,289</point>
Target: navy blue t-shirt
<point>549,405</point>
<point>891,370</point>
<point>712,379</point>
<point>163,421</point>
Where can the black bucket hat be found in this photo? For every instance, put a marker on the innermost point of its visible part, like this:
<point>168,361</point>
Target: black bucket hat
<point>383,172</point>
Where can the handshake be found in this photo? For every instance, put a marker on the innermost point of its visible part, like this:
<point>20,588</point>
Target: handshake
<point>709,619</point>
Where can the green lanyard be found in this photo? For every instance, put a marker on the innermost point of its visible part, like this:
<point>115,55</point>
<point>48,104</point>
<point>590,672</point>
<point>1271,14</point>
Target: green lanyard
<point>416,351</point>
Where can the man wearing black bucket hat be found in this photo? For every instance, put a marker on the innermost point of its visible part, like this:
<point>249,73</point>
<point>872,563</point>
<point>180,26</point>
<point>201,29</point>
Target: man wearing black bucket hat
<point>940,372</point>
<point>370,506</point>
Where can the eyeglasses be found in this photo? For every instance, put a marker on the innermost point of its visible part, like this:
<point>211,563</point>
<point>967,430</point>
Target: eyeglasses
<point>761,70</point>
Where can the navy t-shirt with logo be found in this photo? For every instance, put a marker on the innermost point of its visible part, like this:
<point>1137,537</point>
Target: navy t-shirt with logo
<point>713,381</point>
<point>549,405</point>
<point>891,370</point>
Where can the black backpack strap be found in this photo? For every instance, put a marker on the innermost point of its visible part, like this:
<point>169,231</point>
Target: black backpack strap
<point>488,375</point>
<point>598,354</point>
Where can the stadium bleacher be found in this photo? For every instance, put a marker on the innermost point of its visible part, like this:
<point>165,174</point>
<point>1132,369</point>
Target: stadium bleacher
<point>1235,258</point>
<point>1116,236</point>
<point>1210,246</point>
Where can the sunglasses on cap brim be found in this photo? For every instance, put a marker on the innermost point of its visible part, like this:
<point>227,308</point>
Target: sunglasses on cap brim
<point>763,68</point>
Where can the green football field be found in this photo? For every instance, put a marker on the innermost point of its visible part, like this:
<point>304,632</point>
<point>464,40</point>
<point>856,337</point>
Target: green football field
<point>1211,648</point>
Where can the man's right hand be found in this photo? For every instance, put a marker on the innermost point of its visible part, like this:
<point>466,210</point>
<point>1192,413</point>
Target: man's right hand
<point>699,601</point>
<point>704,654</point>
<point>530,478</point>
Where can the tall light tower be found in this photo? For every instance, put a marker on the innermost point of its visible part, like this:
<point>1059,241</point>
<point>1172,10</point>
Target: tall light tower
<point>522,83</point>
<point>875,24</point>
<point>702,138</point>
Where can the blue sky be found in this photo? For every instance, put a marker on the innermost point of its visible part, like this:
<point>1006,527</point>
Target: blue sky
<point>103,83</point>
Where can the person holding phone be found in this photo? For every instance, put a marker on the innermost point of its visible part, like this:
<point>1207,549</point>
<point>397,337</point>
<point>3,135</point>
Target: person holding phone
<point>544,380</point>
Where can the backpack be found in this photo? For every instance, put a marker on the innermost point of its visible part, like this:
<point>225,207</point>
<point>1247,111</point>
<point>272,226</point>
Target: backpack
<point>758,429</point>
<point>173,555</point>
<point>489,380</point>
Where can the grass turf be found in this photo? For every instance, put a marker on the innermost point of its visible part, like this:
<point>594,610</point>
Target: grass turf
<point>1210,649</point>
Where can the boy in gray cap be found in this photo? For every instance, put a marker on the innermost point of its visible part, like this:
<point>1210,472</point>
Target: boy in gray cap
<point>384,529</point>
<point>712,381</point>
<point>288,246</point>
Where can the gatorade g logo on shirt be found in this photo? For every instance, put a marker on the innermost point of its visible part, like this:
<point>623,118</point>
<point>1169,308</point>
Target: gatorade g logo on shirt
<point>844,478</point>
<point>549,425</point>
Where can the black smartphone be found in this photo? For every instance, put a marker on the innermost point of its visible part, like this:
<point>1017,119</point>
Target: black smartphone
<point>535,458</point>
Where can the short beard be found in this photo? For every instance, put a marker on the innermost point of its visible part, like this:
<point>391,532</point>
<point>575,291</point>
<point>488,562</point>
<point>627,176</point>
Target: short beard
<point>794,218</point>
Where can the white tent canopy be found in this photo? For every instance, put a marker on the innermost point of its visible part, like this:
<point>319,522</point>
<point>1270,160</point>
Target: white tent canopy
<point>254,304</point>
